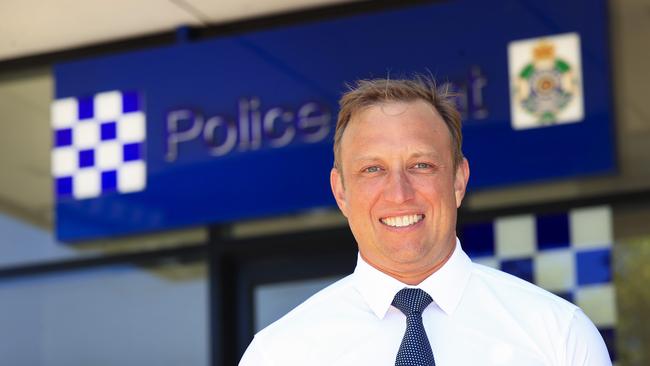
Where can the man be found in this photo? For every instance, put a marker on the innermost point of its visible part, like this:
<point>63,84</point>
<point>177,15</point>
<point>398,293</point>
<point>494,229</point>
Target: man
<point>415,298</point>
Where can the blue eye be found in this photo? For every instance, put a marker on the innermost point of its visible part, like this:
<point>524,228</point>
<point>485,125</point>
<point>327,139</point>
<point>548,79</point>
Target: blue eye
<point>372,169</point>
<point>422,166</point>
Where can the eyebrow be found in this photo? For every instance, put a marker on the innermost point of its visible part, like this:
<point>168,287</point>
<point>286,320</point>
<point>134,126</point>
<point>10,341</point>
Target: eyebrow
<point>366,158</point>
<point>417,154</point>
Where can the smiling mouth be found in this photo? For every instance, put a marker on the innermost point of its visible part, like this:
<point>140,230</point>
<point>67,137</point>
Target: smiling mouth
<point>402,221</point>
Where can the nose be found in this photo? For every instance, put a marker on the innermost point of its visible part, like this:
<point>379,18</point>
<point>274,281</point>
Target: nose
<point>398,187</point>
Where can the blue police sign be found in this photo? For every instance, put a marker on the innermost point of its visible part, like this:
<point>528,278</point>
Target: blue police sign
<point>241,127</point>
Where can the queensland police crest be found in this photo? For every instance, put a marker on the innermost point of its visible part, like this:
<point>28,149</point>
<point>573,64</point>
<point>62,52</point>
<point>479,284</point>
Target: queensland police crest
<point>545,81</point>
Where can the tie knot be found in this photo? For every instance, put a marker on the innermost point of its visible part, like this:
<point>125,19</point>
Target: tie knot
<point>411,300</point>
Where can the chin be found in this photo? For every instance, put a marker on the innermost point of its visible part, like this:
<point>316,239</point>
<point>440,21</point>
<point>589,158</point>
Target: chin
<point>410,255</point>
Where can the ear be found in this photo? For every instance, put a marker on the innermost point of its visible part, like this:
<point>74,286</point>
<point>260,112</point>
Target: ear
<point>460,181</point>
<point>336,181</point>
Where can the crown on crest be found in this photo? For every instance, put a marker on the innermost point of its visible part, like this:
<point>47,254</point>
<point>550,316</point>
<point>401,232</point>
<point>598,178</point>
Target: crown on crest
<point>544,51</point>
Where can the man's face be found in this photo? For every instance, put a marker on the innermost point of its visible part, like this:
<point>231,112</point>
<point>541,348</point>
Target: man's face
<point>398,188</point>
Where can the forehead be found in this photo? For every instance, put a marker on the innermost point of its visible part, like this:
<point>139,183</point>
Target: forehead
<point>397,124</point>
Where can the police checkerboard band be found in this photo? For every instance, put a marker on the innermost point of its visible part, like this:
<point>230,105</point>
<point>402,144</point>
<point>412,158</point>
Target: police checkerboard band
<point>98,145</point>
<point>567,253</point>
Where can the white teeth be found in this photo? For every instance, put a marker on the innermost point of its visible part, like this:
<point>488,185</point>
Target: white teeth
<point>401,221</point>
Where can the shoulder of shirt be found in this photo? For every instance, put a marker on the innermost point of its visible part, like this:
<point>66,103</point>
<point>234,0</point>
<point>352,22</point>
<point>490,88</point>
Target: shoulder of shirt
<point>315,307</point>
<point>505,282</point>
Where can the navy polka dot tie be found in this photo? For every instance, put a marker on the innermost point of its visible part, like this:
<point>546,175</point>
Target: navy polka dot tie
<point>415,349</point>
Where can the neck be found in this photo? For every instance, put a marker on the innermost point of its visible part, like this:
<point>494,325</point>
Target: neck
<point>415,276</point>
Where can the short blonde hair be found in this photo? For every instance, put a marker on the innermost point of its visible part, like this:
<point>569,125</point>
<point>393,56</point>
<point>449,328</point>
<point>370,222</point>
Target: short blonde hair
<point>367,93</point>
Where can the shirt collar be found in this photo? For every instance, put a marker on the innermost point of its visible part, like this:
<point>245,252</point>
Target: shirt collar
<point>445,286</point>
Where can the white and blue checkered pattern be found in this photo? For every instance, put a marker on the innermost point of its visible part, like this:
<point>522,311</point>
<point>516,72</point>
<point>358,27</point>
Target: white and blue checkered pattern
<point>568,254</point>
<point>98,145</point>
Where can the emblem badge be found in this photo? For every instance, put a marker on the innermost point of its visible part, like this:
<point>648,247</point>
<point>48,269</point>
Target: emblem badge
<point>545,81</point>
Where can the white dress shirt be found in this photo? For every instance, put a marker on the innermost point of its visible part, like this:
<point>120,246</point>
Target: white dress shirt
<point>479,316</point>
